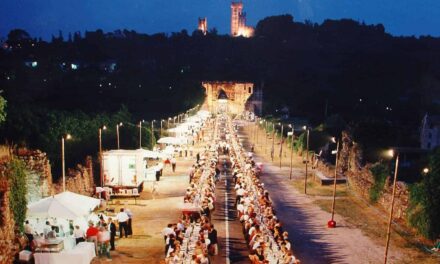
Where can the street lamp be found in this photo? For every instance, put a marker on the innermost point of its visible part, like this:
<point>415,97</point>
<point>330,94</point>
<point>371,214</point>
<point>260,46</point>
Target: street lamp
<point>152,133</point>
<point>258,128</point>
<point>63,162</point>
<point>281,143</point>
<point>391,154</point>
<point>307,157</point>
<point>100,153</point>
<point>161,126</point>
<point>425,171</point>
<point>265,135</point>
<point>117,133</point>
<point>291,149</point>
<point>168,122</point>
<point>140,133</point>
<point>332,223</point>
<point>273,141</point>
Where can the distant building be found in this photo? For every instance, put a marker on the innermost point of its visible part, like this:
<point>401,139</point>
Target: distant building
<point>238,21</point>
<point>430,132</point>
<point>230,97</point>
<point>203,25</point>
<point>108,66</point>
<point>255,102</point>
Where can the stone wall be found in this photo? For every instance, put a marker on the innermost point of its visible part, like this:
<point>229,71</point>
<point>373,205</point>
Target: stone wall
<point>38,172</point>
<point>8,247</point>
<point>40,180</point>
<point>78,180</point>
<point>361,179</point>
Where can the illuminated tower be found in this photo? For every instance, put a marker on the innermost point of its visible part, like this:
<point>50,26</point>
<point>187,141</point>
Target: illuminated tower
<point>236,13</point>
<point>203,25</point>
<point>238,21</point>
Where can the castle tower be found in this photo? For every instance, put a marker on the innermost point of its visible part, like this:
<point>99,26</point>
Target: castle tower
<point>203,25</point>
<point>236,14</point>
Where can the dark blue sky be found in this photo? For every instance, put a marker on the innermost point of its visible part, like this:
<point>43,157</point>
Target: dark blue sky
<point>46,17</point>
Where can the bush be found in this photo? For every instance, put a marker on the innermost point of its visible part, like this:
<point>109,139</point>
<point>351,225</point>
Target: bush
<point>17,182</point>
<point>424,202</point>
<point>380,173</point>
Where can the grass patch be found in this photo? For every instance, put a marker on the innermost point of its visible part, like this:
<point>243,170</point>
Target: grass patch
<point>316,189</point>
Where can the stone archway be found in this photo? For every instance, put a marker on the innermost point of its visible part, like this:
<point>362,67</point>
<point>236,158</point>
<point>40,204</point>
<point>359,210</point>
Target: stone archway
<point>233,96</point>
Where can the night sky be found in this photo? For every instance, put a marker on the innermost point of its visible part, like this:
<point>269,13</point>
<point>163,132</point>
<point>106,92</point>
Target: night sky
<point>42,18</point>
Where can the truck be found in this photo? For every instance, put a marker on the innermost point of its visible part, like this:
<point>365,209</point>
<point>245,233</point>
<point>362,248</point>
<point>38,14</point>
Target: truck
<point>129,169</point>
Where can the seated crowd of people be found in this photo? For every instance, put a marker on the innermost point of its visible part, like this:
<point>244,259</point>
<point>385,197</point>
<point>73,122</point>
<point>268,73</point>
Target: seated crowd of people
<point>193,238</point>
<point>263,231</point>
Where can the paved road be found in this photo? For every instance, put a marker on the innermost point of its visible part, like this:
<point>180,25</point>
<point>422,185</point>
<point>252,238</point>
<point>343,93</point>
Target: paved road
<point>312,241</point>
<point>232,245</point>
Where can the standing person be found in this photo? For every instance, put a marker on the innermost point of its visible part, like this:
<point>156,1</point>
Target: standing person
<point>29,232</point>
<point>198,157</point>
<point>129,222</point>
<point>173,164</point>
<point>92,235</point>
<point>78,234</point>
<point>47,229</point>
<point>212,236</point>
<point>122,218</point>
<point>112,229</point>
<point>104,241</point>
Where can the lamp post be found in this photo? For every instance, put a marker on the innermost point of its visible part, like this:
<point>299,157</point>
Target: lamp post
<point>391,153</point>
<point>281,143</point>
<point>152,133</point>
<point>140,133</point>
<point>273,141</point>
<point>291,150</point>
<point>332,222</point>
<point>168,122</point>
<point>161,127</point>
<point>117,134</point>
<point>307,157</point>
<point>258,129</point>
<point>100,154</point>
<point>265,141</point>
<point>63,161</point>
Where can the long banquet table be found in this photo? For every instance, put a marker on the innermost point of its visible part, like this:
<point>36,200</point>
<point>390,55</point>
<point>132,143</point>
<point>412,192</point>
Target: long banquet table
<point>83,253</point>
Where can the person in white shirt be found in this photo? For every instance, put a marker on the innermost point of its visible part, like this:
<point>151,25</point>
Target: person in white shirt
<point>29,232</point>
<point>167,231</point>
<point>122,218</point>
<point>47,229</point>
<point>79,234</point>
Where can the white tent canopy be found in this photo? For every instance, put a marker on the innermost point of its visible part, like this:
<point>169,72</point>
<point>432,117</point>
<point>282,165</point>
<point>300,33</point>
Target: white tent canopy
<point>53,207</point>
<point>145,153</point>
<point>66,205</point>
<point>86,203</point>
<point>172,140</point>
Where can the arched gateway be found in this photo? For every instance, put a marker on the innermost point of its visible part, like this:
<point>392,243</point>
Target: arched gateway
<point>228,97</point>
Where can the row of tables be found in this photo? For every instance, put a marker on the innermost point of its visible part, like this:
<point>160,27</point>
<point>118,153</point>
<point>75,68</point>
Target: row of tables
<point>274,254</point>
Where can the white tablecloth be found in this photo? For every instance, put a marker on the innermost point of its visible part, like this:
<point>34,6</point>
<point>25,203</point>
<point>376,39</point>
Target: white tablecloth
<point>69,243</point>
<point>83,253</point>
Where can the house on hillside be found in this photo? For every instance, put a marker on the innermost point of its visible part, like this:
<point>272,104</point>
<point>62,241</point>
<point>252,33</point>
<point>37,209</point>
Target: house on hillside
<point>430,132</point>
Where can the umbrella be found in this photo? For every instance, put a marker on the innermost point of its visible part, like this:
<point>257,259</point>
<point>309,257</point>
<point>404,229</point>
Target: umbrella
<point>53,207</point>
